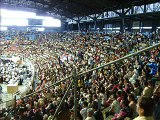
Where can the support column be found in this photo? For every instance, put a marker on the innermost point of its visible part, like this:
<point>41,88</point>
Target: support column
<point>94,18</point>
<point>122,21</point>
<point>122,16</point>
<point>71,26</point>
<point>84,27</point>
<point>145,8</point>
<point>122,25</point>
<point>79,29</point>
<point>95,24</point>
<point>15,101</point>
<point>141,26</point>
<point>130,24</point>
<point>154,25</point>
<point>67,27</point>
<point>78,23</point>
<point>102,25</point>
<point>75,95</point>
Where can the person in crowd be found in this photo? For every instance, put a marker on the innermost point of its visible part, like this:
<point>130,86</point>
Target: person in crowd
<point>56,58</point>
<point>97,113</point>
<point>132,105</point>
<point>145,108</point>
<point>0,93</point>
<point>125,111</point>
<point>114,107</point>
<point>83,111</point>
<point>148,90</point>
<point>90,114</point>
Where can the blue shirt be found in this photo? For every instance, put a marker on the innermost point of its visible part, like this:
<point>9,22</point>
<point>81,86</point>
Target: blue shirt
<point>154,68</point>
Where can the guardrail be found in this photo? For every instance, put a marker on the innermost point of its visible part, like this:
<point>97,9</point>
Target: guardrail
<point>75,75</point>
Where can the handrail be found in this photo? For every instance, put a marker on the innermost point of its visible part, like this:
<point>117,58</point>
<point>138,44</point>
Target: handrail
<point>79,74</point>
<point>112,62</point>
<point>64,97</point>
<point>56,83</point>
<point>120,59</point>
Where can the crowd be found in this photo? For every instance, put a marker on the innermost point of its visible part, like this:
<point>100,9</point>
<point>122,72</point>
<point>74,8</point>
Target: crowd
<point>125,89</point>
<point>13,72</point>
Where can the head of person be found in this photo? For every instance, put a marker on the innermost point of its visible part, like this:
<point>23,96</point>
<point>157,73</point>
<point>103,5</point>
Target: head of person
<point>95,105</point>
<point>114,96</point>
<point>85,104</point>
<point>145,106</point>
<point>131,97</point>
<point>124,103</point>
<point>146,84</point>
<point>90,112</point>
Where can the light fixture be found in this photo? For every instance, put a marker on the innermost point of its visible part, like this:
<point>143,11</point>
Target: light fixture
<point>50,22</point>
<point>146,27</point>
<point>14,22</point>
<point>16,14</point>
<point>3,28</point>
<point>40,29</point>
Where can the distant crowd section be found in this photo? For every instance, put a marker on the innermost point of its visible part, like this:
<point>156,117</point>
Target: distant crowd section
<point>124,90</point>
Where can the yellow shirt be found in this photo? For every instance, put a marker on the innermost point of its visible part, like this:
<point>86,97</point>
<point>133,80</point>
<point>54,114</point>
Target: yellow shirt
<point>148,91</point>
<point>144,118</point>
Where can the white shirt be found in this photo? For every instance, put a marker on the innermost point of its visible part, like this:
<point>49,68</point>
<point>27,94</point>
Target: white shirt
<point>90,118</point>
<point>143,118</point>
<point>115,104</point>
<point>83,112</point>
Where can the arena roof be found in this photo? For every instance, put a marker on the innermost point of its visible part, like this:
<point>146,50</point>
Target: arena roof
<point>72,8</point>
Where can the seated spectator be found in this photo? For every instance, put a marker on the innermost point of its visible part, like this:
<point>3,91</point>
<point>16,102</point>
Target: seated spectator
<point>145,108</point>
<point>125,111</point>
<point>114,107</point>
<point>90,114</point>
<point>157,101</point>
<point>97,113</point>
<point>148,90</point>
<point>51,115</point>
<point>83,111</point>
<point>41,101</point>
<point>132,104</point>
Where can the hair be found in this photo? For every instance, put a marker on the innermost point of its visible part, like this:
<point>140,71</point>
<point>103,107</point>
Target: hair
<point>125,102</point>
<point>95,105</point>
<point>85,103</point>
<point>95,96</point>
<point>145,83</point>
<point>118,93</point>
<point>114,96</point>
<point>150,82</point>
<point>147,104</point>
<point>90,112</point>
<point>131,96</point>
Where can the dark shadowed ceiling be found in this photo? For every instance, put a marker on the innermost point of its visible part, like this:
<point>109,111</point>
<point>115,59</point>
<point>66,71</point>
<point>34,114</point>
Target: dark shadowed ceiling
<point>71,8</point>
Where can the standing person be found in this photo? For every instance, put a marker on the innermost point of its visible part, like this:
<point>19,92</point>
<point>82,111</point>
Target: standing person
<point>114,107</point>
<point>148,90</point>
<point>145,108</point>
<point>83,111</point>
<point>97,113</point>
<point>132,104</point>
<point>90,113</point>
<point>0,93</point>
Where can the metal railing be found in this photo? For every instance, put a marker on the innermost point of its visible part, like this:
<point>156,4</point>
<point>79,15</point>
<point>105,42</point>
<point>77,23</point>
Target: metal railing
<point>75,75</point>
<point>74,80</point>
